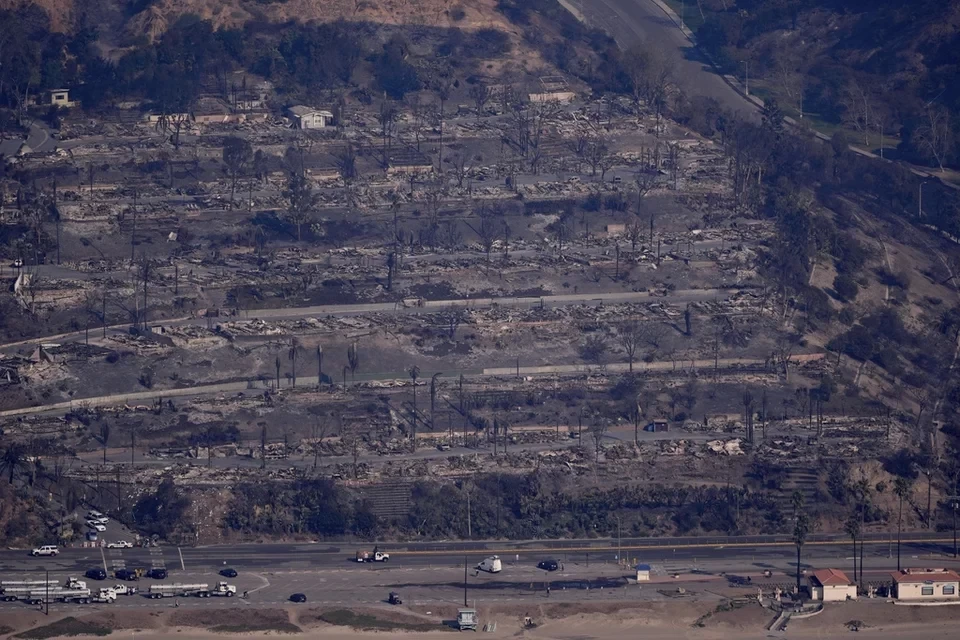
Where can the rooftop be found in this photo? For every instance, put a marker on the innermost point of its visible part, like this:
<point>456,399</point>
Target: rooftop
<point>831,578</point>
<point>919,576</point>
<point>302,110</point>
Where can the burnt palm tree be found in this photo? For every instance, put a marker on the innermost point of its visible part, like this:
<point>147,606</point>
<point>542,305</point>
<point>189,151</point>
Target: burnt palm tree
<point>901,487</point>
<point>13,461</point>
<point>414,372</point>
<point>801,529</point>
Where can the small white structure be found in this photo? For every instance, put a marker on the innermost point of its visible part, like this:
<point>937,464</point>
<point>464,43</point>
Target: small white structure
<point>832,585</point>
<point>926,584</point>
<point>643,572</point>
<point>310,118</point>
<point>61,98</point>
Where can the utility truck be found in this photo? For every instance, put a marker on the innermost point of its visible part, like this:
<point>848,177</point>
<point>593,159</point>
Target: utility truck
<point>200,590</point>
<point>373,556</point>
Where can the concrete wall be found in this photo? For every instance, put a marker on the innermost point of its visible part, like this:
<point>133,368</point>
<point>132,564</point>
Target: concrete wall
<point>915,591</point>
<point>837,593</point>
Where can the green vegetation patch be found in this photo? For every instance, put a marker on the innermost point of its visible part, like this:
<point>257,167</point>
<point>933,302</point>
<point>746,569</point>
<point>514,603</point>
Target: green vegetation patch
<point>367,622</point>
<point>66,627</point>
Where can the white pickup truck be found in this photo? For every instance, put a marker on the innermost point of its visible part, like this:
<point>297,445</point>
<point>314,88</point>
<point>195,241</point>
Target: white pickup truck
<point>124,590</point>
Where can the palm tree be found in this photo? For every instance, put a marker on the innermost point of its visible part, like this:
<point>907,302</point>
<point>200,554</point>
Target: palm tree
<point>353,359</point>
<point>414,372</point>
<point>852,527</point>
<point>319,365</point>
<point>801,529</point>
<point>292,354</point>
<point>433,398</point>
<point>13,460</point>
<point>901,487</point>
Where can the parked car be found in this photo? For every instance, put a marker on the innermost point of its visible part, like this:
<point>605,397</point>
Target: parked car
<point>125,574</point>
<point>228,573</point>
<point>46,550</point>
<point>298,597</point>
<point>96,574</point>
<point>92,536</point>
<point>157,574</point>
<point>96,526</point>
<point>120,544</point>
<point>548,565</point>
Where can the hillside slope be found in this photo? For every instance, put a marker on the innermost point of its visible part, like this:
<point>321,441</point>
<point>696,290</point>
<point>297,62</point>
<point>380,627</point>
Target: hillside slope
<point>150,17</point>
<point>862,65</point>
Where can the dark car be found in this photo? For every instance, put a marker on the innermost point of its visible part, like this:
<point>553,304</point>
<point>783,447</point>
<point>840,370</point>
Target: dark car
<point>298,597</point>
<point>157,574</point>
<point>125,574</point>
<point>548,565</point>
<point>96,574</point>
<point>228,573</point>
<point>394,598</point>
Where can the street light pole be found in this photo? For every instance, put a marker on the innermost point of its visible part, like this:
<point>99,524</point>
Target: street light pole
<point>921,201</point>
<point>619,558</point>
<point>746,76</point>
<point>465,580</point>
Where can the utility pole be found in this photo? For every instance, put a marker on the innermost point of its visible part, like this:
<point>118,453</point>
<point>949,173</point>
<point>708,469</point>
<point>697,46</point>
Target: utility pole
<point>47,599</point>
<point>465,580</point>
<point>619,557</point>
<point>746,77</point>
<point>921,201</point>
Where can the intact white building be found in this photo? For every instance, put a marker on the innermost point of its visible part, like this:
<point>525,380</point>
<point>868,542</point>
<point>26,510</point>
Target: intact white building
<point>310,118</point>
<point>832,585</point>
<point>926,584</point>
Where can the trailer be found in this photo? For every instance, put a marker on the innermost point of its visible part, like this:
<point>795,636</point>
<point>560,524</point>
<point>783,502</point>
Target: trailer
<point>200,590</point>
<point>53,594</point>
<point>37,594</point>
<point>6,584</point>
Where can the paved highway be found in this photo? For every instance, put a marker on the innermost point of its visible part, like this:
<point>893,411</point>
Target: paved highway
<point>432,573</point>
<point>644,21</point>
<point>741,552</point>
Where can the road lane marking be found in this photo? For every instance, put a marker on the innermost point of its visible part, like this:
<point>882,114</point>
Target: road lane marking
<point>182,566</point>
<point>103,556</point>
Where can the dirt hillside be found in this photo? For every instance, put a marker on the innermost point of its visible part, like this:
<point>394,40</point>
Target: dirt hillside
<point>153,19</point>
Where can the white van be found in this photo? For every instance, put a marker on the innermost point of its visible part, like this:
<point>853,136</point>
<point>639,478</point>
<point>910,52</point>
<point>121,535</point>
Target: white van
<point>491,565</point>
<point>46,550</point>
